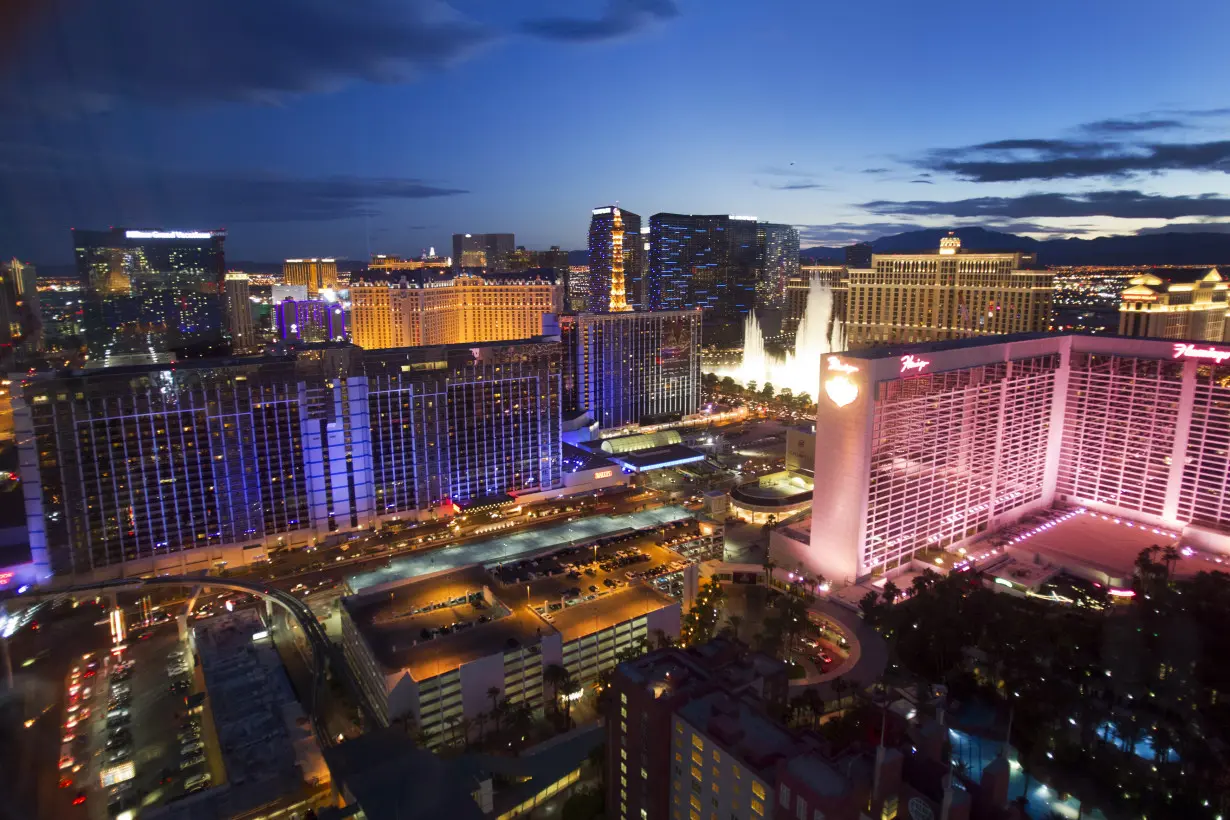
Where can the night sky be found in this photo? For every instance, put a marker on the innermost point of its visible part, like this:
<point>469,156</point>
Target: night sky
<point>343,127</point>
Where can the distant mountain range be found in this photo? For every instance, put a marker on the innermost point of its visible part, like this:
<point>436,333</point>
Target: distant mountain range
<point>1166,248</point>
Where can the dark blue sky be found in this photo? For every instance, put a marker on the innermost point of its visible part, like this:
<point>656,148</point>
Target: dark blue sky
<point>326,127</point>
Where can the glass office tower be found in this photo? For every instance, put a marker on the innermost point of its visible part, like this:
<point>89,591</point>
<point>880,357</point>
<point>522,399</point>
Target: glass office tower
<point>149,293</point>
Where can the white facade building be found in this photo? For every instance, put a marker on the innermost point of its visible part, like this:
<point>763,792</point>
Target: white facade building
<point>929,447</point>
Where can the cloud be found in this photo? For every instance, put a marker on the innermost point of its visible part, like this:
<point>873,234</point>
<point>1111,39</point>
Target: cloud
<point>921,182</point>
<point>848,233</point>
<point>798,185</point>
<point>619,19</point>
<point>1125,204</point>
<point>1015,160</point>
<point>1131,126</point>
<point>46,191</point>
<point>875,171</point>
<point>85,55</point>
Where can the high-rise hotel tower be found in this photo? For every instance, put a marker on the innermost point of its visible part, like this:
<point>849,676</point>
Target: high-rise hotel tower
<point>930,447</point>
<point>951,293</point>
<point>212,463</point>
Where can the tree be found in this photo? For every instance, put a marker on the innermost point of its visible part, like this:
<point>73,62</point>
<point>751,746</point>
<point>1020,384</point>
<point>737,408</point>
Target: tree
<point>494,694</point>
<point>750,387</point>
<point>786,397</point>
<point>890,592</point>
<point>871,608</point>
<point>1170,557</point>
<point>568,685</point>
<point>709,381</point>
<point>767,391</point>
<point>555,675</point>
<point>803,401</point>
<point>728,385</point>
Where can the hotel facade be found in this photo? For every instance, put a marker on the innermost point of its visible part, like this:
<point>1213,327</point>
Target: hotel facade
<point>209,463</point>
<point>950,293</point>
<point>422,308</point>
<point>930,447</point>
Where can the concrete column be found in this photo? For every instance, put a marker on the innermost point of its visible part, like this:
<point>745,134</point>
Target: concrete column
<point>7,660</point>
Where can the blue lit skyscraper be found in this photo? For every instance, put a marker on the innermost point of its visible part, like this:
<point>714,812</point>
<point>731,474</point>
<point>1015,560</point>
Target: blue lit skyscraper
<point>634,368</point>
<point>208,463</point>
<point>705,261</point>
<point>616,260</point>
<point>779,263</point>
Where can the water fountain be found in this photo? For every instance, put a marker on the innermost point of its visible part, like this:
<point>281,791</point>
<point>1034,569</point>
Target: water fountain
<point>799,369</point>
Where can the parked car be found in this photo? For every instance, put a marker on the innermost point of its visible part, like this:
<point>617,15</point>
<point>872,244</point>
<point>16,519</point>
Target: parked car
<point>189,762</point>
<point>197,782</point>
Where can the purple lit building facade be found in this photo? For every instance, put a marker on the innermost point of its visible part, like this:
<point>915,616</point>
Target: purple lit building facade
<point>311,320</point>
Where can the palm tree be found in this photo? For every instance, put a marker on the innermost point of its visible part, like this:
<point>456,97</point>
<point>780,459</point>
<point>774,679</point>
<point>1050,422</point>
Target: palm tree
<point>494,694</point>
<point>1170,557</point>
<point>814,703</point>
<point>661,639</point>
<point>890,592</point>
<point>733,622</point>
<point>568,685</point>
<point>555,675</point>
<point>769,566</point>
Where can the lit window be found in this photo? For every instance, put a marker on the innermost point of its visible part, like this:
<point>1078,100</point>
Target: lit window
<point>695,801</point>
<point>644,774</point>
<point>758,807</point>
<point>623,767</point>
<point>698,758</point>
<point>623,753</point>
<point>698,743</point>
<point>758,789</point>
<point>623,698</point>
<point>696,773</point>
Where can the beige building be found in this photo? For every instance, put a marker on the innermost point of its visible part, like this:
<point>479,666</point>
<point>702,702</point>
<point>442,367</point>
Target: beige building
<point>458,310</point>
<point>1175,307</point>
<point>387,264</point>
<point>239,312</point>
<point>950,293</point>
<point>315,274</point>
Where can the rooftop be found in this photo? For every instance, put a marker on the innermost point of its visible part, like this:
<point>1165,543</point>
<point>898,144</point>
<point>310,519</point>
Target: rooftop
<point>672,455</point>
<point>385,773</point>
<point>503,548</point>
<point>606,611</point>
<point>1104,543</point>
<point>393,619</point>
<point>393,622</point>
<point>742,729</point>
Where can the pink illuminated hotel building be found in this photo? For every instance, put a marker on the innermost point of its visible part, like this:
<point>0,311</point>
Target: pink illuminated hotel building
<point>935,447</point>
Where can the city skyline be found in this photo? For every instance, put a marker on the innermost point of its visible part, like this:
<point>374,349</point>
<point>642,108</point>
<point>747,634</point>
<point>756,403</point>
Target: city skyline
<point>288,157</point>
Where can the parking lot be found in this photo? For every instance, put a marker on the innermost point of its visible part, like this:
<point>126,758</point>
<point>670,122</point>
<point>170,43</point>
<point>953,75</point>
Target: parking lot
<point>577,575</point>
<point>145,747</point>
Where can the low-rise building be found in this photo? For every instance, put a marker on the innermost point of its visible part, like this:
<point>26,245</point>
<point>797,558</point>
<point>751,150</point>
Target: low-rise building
<point>444,649</point>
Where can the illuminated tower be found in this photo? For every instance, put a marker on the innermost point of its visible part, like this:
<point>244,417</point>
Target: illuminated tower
<point>614,236</point>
